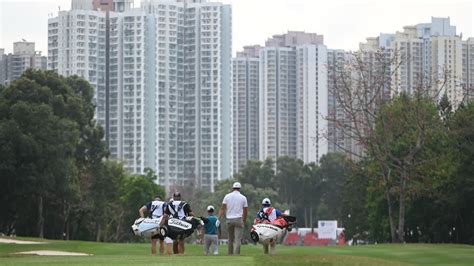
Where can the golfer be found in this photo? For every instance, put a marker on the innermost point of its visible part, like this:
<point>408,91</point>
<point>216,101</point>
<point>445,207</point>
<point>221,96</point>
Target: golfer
<point>235,207</point>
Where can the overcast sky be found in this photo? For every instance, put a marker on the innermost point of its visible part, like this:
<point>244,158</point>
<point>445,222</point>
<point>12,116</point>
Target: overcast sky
<point>344,23</point>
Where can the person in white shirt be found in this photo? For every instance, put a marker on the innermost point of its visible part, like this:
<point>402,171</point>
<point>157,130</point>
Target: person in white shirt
<point>155,211</point>
<point>236,208</point>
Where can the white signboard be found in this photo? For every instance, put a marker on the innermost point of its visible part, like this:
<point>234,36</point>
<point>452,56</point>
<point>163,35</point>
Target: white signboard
<point>327,229</point>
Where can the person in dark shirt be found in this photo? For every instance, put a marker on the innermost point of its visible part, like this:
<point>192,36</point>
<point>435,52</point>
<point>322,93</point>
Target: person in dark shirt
<point>179,209</point>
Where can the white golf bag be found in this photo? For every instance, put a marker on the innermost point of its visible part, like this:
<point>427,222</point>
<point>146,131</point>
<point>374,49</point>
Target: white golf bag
<point>174,228</point>
<point>146,227</point>
<point>265,233</point>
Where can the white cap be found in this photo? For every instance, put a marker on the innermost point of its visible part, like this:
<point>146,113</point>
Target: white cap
<point>266,201</point>
<point>210,208</point>
<point>236,185</point>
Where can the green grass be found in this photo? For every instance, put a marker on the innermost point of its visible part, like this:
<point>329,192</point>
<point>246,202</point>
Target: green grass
<point>139,254</point>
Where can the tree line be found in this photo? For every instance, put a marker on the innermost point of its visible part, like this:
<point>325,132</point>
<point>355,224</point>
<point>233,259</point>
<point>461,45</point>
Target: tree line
<point>422,188</point>
<point>56,180</point>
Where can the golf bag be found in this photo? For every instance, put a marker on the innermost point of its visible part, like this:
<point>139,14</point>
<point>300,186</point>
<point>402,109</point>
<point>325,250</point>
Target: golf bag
<point>271,231</point>
<point>146,227</point>
<point>180,229</point>
<point>174,228</point>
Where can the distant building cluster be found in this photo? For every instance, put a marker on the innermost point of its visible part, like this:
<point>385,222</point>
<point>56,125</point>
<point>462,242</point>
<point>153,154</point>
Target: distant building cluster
<point>297,111</point>
<point>24,56</point>
<point>428,53</point>
<point>280,99</point>
<point>162,74</point>
<point>171,97</point>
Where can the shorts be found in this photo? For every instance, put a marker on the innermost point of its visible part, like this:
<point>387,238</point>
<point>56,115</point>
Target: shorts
<point>157,236</point>
<point>167,240</point>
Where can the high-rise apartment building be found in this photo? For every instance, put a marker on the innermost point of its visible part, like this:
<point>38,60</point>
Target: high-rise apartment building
<point>440,57</point>
<point>277,102</point>
<point>437,27</point>
<point>162,74</point>
<point>293,97</point>
<point>468,68</point>
<point>428,58</point>
<point>245,80</point>
<point>425,57</point>
<point>3,66</point>
<point>408,73</point>
<point>337,137</point>
<point>194,99</point>
<point>91,43</point>
<point>312,101</point>
<point>446,68</point>
<point>24,56</point>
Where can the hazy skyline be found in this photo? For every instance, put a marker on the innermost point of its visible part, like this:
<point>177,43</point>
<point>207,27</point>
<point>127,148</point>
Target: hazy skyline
<point>344,23</point>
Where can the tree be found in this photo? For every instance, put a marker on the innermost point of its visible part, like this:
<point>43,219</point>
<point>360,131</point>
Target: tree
<point>257,173</point>
<point>90,154</point>
<point>55,176</point>
<point>445,108</point>
<point>39,109</point>
<point>458,190</point>
<point>105,195</point>
<point>354,203</point>
<point>362,84</point>
<point>310,187</point>
<point>335,169</point>
<point>287,179</point>
<point>410,134</point>
<point>134,191</point>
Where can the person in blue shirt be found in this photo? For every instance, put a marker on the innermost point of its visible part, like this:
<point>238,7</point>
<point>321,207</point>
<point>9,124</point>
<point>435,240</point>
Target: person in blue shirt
<point>212,231</point>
